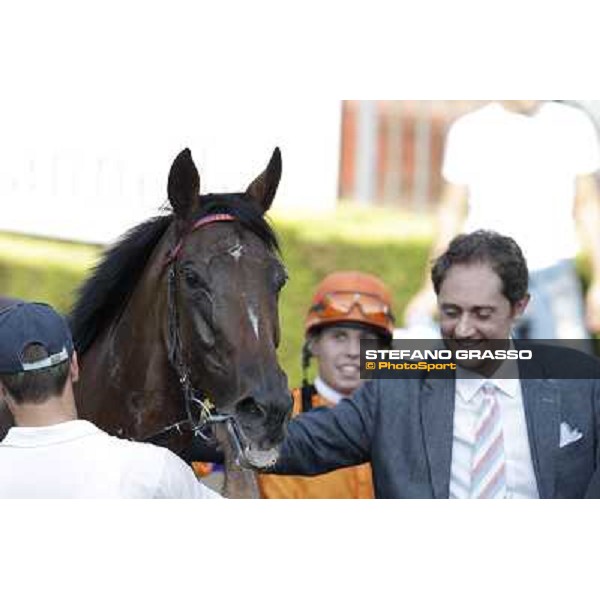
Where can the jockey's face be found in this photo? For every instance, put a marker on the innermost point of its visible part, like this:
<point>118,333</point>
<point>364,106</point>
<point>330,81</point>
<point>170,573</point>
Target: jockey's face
<point>337,350</point>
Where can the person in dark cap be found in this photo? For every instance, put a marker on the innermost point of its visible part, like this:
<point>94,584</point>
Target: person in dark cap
<point>50,453</point>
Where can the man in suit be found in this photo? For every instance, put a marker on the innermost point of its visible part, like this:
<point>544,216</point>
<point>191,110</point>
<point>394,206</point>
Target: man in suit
<point>482,433</point>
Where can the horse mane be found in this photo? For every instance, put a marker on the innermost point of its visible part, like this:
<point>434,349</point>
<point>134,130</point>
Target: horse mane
<point>107,290</point>
<point>105,293</point>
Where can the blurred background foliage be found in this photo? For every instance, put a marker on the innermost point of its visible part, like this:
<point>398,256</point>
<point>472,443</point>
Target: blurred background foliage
<point>381,241</point>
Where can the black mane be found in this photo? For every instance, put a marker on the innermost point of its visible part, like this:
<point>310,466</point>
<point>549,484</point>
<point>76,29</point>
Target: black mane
<point>113,279</point>
<point>105,293</point>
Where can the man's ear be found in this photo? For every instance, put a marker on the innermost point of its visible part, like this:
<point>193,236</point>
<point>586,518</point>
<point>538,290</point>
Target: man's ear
<point>518,308</point>
<point>74,368</point>
<point>6,398</point>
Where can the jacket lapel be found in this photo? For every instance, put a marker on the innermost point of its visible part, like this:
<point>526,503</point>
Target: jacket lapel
<point>437,414</point>
<point>542,413</point>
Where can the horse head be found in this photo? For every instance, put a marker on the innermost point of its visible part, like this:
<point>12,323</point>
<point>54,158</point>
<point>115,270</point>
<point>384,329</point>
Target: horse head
<point>178,327</point>
<point>225,277</point>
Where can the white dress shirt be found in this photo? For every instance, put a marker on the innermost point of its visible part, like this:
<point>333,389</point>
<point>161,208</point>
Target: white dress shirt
<point>520,477</point>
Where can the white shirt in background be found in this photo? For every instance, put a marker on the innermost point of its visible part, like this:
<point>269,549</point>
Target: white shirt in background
<point>520,171</point>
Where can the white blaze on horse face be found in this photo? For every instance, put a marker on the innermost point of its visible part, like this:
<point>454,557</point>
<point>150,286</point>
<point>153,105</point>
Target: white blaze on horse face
<point>253,319</point>
<point>236,251</point>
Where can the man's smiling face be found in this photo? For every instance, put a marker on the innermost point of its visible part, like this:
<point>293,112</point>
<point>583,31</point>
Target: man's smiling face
<point>473,309</point>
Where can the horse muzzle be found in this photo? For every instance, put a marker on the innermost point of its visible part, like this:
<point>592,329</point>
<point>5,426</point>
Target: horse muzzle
<point>258,428</point>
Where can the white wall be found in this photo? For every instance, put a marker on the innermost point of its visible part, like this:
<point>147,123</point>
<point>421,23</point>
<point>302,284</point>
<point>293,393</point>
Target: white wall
<point>99,96</point>
<point>88,171</point>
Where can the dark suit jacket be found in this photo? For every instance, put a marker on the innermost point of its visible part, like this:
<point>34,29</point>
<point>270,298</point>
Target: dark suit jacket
<point>404,428</point>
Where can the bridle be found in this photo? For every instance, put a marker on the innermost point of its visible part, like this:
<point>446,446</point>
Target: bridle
<point>195,401</point>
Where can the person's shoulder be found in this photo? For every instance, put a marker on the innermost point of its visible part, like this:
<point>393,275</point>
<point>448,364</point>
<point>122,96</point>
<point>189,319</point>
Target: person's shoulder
<point>139,455</point>
<point>474,117</point>
<point>474,128</point>
<point>155,472</point>
<point>568,114</point>
<point>562,359</point>
<point>178,480</point>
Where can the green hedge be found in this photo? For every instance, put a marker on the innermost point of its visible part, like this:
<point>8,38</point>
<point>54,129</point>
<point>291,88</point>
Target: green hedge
<point>385,243</point>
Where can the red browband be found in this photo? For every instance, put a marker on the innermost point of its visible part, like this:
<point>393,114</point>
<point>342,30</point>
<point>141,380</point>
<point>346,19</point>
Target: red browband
<point>174,252</point>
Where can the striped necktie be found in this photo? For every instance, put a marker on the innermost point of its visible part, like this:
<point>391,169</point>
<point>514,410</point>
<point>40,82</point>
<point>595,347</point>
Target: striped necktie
<point>488,469</point>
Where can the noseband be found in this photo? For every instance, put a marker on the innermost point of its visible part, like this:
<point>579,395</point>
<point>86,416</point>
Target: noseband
<point>194,400</point>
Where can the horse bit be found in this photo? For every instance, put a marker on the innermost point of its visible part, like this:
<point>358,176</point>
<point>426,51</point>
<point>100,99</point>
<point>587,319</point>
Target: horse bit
<point>191,399</point>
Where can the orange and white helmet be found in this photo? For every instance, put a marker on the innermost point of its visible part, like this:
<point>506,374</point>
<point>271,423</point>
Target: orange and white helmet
<point>352,297</point>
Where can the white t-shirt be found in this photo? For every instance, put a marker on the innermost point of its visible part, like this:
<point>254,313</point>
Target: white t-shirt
<point>520,171</point>
<point>75,459</point>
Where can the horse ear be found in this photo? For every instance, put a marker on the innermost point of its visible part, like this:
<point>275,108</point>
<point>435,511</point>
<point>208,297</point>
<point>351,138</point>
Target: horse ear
<point>183,187</point>
<point>262,189</point>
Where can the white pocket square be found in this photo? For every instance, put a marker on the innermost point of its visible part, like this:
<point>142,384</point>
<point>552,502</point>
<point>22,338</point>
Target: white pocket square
<point>568,434</point>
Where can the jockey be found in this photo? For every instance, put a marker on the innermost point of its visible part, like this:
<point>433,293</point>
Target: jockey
<point>347,306</point>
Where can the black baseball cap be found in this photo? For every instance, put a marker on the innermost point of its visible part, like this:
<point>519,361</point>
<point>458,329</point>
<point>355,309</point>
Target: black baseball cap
<point>28,323</point>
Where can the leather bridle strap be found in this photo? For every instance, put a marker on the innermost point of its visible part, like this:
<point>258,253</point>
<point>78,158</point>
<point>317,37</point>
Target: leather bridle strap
<point>191,400</point>
<point>215,218</point>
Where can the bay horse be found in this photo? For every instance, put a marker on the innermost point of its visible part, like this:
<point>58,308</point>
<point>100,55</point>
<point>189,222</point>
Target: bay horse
<point>178,326</point>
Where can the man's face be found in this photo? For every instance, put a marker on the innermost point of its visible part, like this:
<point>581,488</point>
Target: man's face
<point>473,309</point>
<point>337,350</point>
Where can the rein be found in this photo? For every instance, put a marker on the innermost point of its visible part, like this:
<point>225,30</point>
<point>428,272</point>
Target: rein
<point>193,400</point>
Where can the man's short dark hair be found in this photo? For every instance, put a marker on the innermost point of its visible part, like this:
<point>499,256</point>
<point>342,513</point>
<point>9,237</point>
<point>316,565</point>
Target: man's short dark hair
<point>500,252</point>
<point>36,386</point>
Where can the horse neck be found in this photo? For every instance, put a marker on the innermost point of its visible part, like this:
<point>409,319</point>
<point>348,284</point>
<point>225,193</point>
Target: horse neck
<point>139,335</point>
<point>128,362</point>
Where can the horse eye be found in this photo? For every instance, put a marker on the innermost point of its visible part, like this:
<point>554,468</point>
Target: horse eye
<point>191,278</point>
<point>281,278</point>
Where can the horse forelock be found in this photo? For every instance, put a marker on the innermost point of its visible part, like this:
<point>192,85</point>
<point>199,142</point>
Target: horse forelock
<point>245,212</point>
<point>104,295</point>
